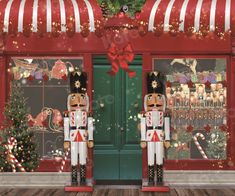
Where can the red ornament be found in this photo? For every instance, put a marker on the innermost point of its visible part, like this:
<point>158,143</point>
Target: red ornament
<point>137,15</point>
<point>168,84</point>
<point>208,84</point>
<point>45,77</point>
<point>64,77</point>
<point>207,128</point>
<point>121,14</point>
<point>190,84</point>
<point>30,78</point>
<point>190,128</point>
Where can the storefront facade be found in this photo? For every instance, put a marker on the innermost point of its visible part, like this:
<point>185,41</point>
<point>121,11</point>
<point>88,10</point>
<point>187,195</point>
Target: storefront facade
<point>199,67</point>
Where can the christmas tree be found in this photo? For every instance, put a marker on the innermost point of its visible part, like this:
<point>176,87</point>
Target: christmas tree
<point>23,151</point>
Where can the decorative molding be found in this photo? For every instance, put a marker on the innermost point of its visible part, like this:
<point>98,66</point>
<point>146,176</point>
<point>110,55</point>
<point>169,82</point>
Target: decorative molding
<point>172,177</point>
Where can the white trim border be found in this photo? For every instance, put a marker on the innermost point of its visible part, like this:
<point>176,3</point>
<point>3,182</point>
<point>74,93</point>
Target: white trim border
<point>175,178</point>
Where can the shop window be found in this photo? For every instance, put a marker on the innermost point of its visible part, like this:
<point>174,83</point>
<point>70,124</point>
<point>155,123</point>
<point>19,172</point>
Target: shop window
<point>46,86</point>
<point>196,99</point>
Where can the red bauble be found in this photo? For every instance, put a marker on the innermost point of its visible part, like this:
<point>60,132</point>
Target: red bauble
<point>190,84</point>
<point>208,84</point>
<point>121,15</point>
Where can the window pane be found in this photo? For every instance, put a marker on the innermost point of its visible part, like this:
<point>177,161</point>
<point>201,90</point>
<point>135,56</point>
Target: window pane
<point>45,84</point>
<point>196,98</point>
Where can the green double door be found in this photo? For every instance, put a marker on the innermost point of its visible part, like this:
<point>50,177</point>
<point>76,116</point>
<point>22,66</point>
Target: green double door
<point>117,102</point>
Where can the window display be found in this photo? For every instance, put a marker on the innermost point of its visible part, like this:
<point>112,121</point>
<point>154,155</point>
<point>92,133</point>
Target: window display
<point>45,85</point>
<point>196,98</point>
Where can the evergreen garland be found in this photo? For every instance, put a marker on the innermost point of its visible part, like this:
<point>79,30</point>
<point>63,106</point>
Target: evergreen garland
<point>112,7</point>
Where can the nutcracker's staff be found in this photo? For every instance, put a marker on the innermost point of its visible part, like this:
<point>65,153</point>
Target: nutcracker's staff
<point>78,126</point>
<point>155,126</point>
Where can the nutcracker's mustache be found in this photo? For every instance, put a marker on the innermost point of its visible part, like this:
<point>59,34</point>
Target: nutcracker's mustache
<point>154,105</point>
<point>76,105</point>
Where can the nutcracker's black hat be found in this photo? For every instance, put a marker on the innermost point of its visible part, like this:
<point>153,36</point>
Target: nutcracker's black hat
<point>156,82</point>
<point>78,81</point>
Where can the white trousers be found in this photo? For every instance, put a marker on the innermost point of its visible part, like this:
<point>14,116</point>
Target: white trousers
<point>78,148</point>
<point>155,149</point>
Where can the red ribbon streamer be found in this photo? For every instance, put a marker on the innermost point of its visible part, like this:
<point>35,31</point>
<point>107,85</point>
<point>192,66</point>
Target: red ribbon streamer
<point>121,57</point>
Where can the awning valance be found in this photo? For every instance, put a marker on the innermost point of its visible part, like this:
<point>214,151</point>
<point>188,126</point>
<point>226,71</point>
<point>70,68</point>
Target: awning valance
<point>49,16</point>
<point>187,15</point>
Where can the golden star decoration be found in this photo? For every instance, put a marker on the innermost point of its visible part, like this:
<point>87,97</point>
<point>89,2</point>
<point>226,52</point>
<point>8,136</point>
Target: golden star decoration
<point>77,84</point>
<point>154,84</point>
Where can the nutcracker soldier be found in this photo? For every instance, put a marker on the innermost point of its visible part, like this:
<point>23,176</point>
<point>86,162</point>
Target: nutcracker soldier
<point>155,129</point>
<point>78,127</point>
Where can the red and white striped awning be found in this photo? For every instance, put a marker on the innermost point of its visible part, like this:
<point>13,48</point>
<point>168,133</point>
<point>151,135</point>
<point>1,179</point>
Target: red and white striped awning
<point>47,16</point>
<point>212,15</point>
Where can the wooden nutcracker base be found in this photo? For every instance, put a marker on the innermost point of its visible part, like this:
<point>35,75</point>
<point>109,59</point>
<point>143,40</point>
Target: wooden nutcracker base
<point>154,188</point>
<point>80,188</point>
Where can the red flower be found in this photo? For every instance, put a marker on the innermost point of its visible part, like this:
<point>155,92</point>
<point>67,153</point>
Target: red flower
<point>190,128</point>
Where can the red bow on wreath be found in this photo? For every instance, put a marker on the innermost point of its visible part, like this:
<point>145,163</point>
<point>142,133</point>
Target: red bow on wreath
<point>120,57</point>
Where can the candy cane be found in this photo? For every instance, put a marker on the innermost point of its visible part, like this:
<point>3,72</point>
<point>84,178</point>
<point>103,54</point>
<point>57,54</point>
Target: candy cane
<point>64,160</point>
<point>198,145</point>
<point>11,157</point>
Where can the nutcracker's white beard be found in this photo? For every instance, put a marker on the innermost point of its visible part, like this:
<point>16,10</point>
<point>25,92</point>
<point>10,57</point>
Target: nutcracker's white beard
<point>87,100</point>
<point>145,103</point>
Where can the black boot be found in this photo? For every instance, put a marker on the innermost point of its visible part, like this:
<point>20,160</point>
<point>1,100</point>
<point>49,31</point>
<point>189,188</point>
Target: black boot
<point>83,174</point>
<point>151,175</point>
<point>160,174</point>
<point>74,175</point>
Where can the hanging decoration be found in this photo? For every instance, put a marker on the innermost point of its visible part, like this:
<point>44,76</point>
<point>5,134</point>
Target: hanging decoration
<point>59,70</point>
<point>12,143</point>
<point>120,57</point>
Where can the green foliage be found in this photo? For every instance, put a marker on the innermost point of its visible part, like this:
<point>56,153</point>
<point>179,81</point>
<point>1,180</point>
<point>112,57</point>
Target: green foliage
<point>114,6</point>
<point>216,148</point>
<point>17,127</point>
